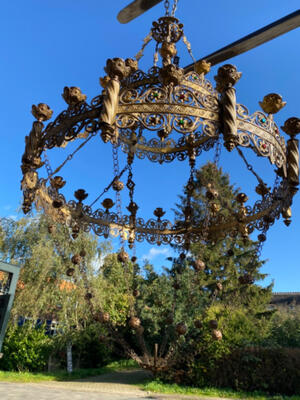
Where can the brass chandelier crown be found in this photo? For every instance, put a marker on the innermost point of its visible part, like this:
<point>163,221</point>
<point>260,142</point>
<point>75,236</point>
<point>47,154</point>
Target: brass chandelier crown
<point>162,115</point>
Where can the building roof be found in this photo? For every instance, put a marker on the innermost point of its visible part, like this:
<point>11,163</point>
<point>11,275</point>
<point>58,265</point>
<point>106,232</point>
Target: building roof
<point>286,298</point>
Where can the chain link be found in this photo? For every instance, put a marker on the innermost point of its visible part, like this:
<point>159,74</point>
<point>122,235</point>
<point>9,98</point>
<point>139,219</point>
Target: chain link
<point>147,39</point>
<point>116,175</point>
<point>218,152</point>
<point>189,47</point>
<point>47,164</point>
<point>276,182</point>
<point>155,56</point>
<point>130,183</point>
<point>70,156</point>
<point>109,186</point>
<point>249,166</point>
<point>167,6</point>
<point>174,8</point>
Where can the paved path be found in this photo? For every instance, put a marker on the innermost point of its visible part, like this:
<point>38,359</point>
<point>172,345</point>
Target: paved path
<point>30,391</point>
<point>111,386</point>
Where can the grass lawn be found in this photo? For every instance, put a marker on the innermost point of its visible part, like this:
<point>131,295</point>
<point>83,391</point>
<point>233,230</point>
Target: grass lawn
<point>35,377</point>
<point>159,387</point>
<point>151,386</point>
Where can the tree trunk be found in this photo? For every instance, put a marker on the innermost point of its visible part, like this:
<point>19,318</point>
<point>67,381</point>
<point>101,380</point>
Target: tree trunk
<point>69,358</point>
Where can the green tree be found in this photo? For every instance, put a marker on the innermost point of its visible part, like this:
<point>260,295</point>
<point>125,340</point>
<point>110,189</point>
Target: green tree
<point>50,284</point>
<point>223,271</point>
<point>231,263</point>
<point>55,272</point>
<point>167,319</point>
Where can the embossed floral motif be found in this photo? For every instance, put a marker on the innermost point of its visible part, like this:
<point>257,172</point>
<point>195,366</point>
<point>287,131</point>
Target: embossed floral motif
<point>73,95</point>
<point>291,126</point>
<point>272,103</point>
<point>202,67</point>
<point>171,74</point>
<point>227,76</point>
<point>41,112</point>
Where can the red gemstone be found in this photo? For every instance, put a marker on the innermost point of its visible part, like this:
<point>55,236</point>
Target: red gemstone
<point>264,146</point>
<point>182,96</point>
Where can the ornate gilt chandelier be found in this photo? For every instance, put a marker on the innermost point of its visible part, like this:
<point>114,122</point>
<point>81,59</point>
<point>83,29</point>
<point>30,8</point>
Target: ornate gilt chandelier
<point>163,115</point>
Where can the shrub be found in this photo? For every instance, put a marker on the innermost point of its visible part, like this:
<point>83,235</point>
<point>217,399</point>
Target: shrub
<point>285,330</point>
<point>200,353</point>
<point>274,370</point>
<point>25,349</point>
<point>89,351</point>
<point>255,354</point>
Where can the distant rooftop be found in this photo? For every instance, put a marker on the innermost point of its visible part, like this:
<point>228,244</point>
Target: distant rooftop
<point>285,293</point>
<point>286,298</point>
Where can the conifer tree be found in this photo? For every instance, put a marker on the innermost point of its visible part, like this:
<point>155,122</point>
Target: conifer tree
<point>231,263</point>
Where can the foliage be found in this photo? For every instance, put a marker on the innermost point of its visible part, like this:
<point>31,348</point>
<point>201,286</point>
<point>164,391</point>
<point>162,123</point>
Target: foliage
<point>285,330</point>
<point>181,294</point>
<point>113,289</point>
<point>217,291</point>
<point>44,291</point>
<point>227,259</point>
<point>26,349</point>
<point>89,351</point>
<point>256,368</point>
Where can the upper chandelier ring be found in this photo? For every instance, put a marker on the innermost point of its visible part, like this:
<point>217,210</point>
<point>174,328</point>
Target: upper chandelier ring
<point>163,115</point>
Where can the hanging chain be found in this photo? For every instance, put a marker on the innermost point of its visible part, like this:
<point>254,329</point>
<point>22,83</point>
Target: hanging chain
<point>55,241</point>
<point>155,56</point>
<point>60,250</point>
<point>130,184</point>
<point>47,164</point>
<point>259,248</point>
<point>115,160</point>
<point>132,207</point>
<point>188,211</point>
<point>109,186</point>
<point>116,174</point>
<point>249,166</point>
<point>218,152</point>
<point>276,182</point>
<point>146,40</point>
<point>189,48</point>
<point>167,6</point>
<point>70,156</point>
<point>174,8</point>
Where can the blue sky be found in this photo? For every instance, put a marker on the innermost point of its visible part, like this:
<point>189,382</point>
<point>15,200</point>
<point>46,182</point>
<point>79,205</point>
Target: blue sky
<point>46,45</point>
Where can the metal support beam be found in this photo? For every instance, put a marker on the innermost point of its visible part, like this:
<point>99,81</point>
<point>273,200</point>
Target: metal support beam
<point>7,298</point>
<point>135,9</point>
<point>261,36</point>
